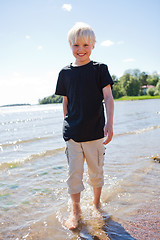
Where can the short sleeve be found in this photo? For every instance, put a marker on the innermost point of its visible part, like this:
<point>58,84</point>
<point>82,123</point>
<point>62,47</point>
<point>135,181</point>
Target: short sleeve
<point>60,88</point>
<point>106,78</point>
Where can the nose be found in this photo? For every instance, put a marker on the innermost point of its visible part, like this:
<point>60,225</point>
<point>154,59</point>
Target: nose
<point>79,48</point>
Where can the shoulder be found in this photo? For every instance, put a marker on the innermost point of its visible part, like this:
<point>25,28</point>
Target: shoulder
<point>100,65</point>
<point>103,73</point>
<point>64,71</point>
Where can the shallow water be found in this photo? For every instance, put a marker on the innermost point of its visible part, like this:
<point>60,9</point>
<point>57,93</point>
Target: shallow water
<point>34,202</point>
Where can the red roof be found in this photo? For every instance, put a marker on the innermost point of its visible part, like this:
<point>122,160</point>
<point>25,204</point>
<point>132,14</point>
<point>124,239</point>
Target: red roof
<point>148,86</point>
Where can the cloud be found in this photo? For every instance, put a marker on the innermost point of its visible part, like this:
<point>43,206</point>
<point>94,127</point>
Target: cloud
<point>129,60</point>
<point>27,36</point>
<point>39,48</point>
<point>67,7</point>
<point>16,74</point>
<point>107,43</point>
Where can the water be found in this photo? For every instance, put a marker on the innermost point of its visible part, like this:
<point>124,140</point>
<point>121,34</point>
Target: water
<point>34,202</point>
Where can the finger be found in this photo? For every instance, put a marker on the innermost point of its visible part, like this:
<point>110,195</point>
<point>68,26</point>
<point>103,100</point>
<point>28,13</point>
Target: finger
<point>108,139</point>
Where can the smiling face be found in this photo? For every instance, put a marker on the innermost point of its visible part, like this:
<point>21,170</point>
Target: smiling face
<point>81,50</point>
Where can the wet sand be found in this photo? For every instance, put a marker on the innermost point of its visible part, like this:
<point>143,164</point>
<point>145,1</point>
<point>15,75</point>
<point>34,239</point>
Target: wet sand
<point>145,225</point>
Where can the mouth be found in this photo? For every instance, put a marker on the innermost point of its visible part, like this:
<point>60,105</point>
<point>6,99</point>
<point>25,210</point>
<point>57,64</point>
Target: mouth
<point>81,54</point>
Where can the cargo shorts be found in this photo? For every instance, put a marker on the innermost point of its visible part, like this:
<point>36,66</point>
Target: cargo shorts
<point>77,152</point>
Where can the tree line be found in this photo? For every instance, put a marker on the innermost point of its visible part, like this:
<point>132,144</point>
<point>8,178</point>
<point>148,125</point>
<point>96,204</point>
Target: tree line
<point>51,99</point>
<point>136,83</point>
<point>132,83</point>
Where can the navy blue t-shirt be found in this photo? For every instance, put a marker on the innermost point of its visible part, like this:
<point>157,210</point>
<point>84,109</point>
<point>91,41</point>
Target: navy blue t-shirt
<point>85,112</point>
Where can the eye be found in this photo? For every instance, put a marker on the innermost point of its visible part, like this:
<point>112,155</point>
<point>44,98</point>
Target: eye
<point>85,45</point>
<point>75,45</point>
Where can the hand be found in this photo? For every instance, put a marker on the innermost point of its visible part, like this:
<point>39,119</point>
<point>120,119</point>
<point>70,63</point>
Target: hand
<point>108,132</point>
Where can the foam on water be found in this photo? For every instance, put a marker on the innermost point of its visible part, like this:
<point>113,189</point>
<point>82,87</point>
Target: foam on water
<point>33,157</point>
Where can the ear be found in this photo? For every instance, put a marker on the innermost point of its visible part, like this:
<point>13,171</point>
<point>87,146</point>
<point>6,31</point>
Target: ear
<point>92,46</point>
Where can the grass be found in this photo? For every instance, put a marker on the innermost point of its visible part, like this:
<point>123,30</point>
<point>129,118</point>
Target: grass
<point>131,98</point>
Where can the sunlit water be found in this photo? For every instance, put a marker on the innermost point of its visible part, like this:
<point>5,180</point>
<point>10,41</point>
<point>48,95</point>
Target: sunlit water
<point>34,202</point>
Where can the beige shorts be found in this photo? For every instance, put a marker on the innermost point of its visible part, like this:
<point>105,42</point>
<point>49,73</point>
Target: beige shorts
<point>93,152</point>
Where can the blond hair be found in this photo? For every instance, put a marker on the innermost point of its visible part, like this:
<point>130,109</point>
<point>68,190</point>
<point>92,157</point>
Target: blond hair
<point>82,31</point>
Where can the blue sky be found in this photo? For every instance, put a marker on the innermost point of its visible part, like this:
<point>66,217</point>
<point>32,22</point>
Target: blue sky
<point>34,47</point>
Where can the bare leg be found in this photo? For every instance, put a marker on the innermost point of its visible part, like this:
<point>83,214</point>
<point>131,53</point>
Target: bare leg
<point>72,222</point>
<point>97,195</point>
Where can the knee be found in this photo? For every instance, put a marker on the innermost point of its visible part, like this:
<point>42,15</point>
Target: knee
<point>75,183</point>
<point>96,179</point>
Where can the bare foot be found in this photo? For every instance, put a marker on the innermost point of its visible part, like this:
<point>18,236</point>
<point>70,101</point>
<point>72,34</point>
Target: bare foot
<point>97,206</point>
<point>97,210</point>
<point>72,222</point>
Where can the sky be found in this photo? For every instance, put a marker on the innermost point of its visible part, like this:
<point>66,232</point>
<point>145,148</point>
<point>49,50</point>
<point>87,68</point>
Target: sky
<point>34,47</point>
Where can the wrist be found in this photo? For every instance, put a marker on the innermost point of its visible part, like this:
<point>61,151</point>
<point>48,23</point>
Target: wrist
<point>109,124</point>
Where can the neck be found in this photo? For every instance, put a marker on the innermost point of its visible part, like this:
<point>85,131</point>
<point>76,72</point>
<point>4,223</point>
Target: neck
<point>77,63</point>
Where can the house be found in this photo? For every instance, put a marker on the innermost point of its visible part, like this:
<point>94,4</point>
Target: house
<point>145,87</point>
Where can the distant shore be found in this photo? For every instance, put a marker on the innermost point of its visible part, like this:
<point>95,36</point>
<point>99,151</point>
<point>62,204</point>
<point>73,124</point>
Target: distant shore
<point>16,105</point>
<point>131,98</point>
<point>124,98</point>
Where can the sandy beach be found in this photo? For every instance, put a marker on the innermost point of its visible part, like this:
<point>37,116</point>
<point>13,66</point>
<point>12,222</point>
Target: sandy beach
<point>145,225</point>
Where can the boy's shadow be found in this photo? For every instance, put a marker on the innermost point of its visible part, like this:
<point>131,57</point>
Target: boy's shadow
<point>111,230</point>
<point>115,230</point>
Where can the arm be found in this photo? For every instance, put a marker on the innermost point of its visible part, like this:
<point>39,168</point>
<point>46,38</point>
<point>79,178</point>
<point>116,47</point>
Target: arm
<point>109,105</point>
<point>65,100</point>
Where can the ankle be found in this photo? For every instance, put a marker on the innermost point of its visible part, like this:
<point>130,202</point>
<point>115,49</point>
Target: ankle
<point>96,204</point>
<point>76,209</point>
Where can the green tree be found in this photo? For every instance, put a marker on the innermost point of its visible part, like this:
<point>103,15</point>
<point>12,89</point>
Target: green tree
<point>133,72</point>
<point>123,82</point>
<point>133,87</point>
<point>153,79</point>
<point>151,91</point>
<point>51,99</point>
<point>157,90</point>
<point>114,78</point>
<point>143,78</point>
<point>130,85</point>
<point>117,90</point>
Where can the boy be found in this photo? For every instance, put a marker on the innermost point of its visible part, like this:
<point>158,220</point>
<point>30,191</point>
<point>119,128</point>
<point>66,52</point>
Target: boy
<point>84,84</point>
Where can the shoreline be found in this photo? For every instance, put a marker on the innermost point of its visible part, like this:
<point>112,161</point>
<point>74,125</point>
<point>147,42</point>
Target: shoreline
<point>132,98</point>
<point>124,98</point>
